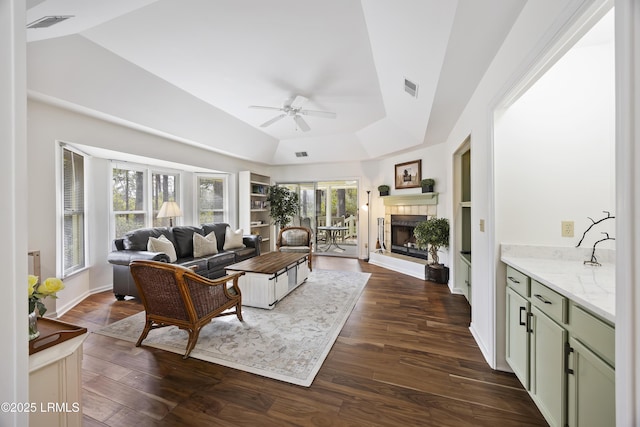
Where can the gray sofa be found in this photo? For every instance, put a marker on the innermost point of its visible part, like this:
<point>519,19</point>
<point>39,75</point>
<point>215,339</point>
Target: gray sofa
<point>133,246</point>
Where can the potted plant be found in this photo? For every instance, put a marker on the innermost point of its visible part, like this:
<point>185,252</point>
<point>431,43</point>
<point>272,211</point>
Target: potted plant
<point>427,185</point>
<point>384,190</point>
<point>283,205</point>
<point>434,234</point>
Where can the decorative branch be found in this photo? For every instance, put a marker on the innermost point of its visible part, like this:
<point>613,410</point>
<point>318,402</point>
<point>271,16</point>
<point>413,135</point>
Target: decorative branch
<point>594,260</point>
<point>594,223</point>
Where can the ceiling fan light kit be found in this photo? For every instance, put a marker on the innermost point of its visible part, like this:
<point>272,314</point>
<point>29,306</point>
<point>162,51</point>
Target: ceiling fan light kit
<point>294,109</point>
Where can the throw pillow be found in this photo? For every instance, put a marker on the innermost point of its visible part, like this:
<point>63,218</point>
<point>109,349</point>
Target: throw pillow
<point>232,239</point>
<point>164,245</point>
<point>204,245</point>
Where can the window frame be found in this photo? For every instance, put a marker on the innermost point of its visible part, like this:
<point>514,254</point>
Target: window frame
<point>147,192</point>
<point>196,195</point>
<point>63,272</point>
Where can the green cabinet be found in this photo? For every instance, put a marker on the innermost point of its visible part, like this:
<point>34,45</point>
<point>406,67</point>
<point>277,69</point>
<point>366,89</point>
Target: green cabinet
<point>547,386</point>
<point>592,388</point>
<point>562,353</point>
<point>518,335</point>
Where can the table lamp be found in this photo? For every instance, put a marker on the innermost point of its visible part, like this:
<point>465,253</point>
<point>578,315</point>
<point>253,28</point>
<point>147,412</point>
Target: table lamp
<point>169,210</point>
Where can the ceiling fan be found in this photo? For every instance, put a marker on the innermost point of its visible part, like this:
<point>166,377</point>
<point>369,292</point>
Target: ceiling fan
<point>293,108</point>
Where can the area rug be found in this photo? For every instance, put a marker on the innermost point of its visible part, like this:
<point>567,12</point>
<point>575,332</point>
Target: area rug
<point>288,343</point>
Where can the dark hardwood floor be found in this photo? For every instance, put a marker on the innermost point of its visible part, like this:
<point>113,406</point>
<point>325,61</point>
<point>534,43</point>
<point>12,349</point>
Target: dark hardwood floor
<point>405,357</point>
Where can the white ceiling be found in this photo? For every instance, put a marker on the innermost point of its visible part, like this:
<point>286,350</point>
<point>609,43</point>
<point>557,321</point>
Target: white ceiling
<point>189,69</point>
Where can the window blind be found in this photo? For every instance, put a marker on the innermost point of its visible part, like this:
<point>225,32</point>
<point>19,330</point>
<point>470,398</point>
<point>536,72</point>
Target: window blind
<point>73,212</point>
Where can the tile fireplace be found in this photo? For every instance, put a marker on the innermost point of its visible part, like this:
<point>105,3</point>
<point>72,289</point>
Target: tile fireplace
<point>407,211</point>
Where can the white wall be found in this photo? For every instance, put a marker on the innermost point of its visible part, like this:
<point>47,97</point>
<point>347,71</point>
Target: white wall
<point>48,124</point>
<point>555,151</point>
<point>537,26</point>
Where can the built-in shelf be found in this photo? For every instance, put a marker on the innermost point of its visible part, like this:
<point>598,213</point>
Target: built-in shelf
<point>252,190</point>
<point>411,199</point>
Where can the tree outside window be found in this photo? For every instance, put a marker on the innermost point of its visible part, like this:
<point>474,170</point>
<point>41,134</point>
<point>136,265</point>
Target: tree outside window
<point>211,196</point>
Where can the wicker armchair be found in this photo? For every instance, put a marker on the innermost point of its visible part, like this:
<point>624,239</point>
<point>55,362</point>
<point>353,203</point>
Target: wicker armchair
<point>175,295</point>
<point>295,239</point>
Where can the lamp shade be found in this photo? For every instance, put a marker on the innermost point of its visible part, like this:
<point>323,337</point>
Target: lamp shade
<point>169,210</point>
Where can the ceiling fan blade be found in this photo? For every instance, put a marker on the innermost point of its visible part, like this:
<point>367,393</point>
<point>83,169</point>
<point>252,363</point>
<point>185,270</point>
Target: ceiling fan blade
<point>272,121</point>
<point>325,114</point>
<point>262,107</point>
<point>298,101</point>
<point>301,124</point>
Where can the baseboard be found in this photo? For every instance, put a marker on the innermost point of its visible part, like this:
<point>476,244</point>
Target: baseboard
<point>61,311</point>
<point>413,269</point>
<point>488,356</point>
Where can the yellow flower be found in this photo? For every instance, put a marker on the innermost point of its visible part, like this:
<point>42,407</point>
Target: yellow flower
<point>50,286</point>
<point>33,281</point>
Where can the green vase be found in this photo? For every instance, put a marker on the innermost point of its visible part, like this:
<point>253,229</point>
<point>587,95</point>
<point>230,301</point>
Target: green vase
<point>33,325</point>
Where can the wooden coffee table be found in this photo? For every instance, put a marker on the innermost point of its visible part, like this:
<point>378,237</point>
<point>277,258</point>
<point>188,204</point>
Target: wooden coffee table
<point>270,277</point>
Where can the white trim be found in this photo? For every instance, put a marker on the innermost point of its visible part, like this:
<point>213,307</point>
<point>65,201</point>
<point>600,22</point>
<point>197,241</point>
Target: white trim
<point>574,23</point>
<point>627,43</point>
<point>486,351</point>
<point>62,310</point>
<point>59,153</point>
<point>413,269</point>
<point>225,199</point>
<point>577,18</point>
<point>13,172</point>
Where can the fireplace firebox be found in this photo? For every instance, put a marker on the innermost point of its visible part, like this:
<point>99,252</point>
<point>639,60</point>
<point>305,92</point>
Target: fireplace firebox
<point>402,238</point>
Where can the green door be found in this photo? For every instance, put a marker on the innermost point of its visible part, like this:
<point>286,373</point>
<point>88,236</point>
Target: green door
<point>517,336</point>
<point>547,367</point>
<point>592,388</point>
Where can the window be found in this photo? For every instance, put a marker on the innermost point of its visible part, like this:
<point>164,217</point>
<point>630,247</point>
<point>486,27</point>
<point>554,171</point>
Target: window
<point>137,196</point>
<point>128,200</point>
<point>73,212</point>
<point>211,198</point>
<point>163,189</point>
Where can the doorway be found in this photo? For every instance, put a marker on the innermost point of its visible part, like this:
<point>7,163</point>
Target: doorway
<point>462,231</point>
<point>330,210</point>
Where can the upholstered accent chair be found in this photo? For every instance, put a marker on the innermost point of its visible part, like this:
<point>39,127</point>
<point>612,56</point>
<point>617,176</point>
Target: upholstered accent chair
<point>295,239</point>
<point>176,295</point>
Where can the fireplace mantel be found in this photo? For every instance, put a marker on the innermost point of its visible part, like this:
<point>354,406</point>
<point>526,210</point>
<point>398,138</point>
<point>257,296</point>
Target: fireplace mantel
<point>411,199</point>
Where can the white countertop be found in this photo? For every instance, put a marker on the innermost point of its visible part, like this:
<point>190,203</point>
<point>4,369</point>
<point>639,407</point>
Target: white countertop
<point>592,287</point>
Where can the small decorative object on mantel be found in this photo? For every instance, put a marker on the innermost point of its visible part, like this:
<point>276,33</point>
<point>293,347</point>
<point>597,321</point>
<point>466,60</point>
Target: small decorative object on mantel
<point>37,292</point>
<point>408,174</point>
<point>384,190</point>
<point>434,234</point>
<point>594,261</point>
<point>427,185</point>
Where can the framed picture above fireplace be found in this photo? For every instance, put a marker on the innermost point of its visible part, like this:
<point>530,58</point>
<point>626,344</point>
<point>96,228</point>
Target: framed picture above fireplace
<point>408,174</point>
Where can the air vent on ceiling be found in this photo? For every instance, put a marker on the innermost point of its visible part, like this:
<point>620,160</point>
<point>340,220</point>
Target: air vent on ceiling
<point>411,88</point>
<point>301,154</point>
<point>48,21</point>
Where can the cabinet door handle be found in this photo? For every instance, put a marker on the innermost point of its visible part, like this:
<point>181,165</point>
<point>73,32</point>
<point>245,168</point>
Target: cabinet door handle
<point>529,317</point>
<point>567,352</point>
<point>513,279</point>
<point>543,299</point>
<point>520,317</point>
